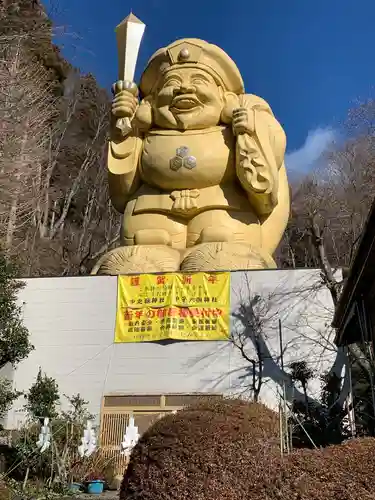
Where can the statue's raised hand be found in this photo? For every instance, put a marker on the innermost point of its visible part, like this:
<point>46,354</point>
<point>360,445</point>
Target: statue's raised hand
<point>124,104</point>
<point>242,121</point>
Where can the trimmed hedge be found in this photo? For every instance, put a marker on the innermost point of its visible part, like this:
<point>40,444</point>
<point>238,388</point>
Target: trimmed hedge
<point>229,450</point>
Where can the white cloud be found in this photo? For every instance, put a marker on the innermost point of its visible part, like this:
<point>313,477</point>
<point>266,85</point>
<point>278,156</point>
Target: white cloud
<point>308,156</point>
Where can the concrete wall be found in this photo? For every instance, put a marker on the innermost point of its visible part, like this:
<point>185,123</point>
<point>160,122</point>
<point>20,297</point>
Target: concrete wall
<point>72,321</point>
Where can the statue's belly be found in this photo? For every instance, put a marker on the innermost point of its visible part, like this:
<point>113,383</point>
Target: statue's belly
<point>188,160</point>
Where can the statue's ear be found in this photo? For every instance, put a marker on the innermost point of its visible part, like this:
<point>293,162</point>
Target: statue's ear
<point>231,102</point>
<point>143,115</point>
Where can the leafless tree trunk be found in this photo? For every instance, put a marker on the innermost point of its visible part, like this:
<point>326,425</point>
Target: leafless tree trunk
<point>26,108</point>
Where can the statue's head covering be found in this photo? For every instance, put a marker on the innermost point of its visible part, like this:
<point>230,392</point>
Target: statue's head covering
<point>191,52</point>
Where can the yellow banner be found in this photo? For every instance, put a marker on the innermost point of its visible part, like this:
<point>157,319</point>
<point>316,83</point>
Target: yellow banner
<point>173,306</point>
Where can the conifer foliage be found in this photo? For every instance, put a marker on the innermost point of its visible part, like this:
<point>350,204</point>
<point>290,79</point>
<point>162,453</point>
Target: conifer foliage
<point>14,336</point>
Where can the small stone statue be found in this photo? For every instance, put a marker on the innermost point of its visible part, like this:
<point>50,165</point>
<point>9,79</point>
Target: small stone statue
<point>200,176</point>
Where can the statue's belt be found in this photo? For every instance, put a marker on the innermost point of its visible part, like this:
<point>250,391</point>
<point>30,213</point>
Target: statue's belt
<point>188,202</point>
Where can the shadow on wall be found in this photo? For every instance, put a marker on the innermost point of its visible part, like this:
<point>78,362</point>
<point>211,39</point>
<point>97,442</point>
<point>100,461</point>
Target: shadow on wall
<point>271,369</point>
<point>304,309</point>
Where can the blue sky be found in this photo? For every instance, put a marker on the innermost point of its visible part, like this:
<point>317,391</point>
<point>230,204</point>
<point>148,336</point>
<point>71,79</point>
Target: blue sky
<point>310,59</point>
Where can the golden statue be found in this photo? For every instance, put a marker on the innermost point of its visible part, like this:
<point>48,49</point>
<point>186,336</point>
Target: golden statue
<point>199,173</point>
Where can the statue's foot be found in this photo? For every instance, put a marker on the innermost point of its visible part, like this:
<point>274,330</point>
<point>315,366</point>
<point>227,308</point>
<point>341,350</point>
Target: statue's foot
<point>138,259</point>
<point>225,257</point>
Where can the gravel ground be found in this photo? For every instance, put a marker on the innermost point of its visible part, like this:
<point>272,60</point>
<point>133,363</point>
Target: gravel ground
<point>107,495</point>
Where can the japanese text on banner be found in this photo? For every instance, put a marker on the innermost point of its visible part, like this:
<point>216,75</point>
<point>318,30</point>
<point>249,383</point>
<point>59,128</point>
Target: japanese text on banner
<point>154,307</point>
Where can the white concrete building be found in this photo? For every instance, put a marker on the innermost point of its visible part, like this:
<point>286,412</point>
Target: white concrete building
<point>72,322</point>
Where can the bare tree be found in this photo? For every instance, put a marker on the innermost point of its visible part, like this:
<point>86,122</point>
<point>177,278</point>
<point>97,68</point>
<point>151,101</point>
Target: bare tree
<point>55,214</point>
<point>330,205</point>
<point>329,210</point>
<point>77,213</point>
<point>304,307</point>
<point>26,107</point>
<point>247,337</point>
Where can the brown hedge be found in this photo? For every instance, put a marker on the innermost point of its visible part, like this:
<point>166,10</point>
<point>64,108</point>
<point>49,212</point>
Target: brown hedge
<point>227,450</point>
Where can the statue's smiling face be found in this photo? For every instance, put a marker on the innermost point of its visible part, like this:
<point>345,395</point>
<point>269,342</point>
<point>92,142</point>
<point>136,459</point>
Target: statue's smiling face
<point>187,98</point>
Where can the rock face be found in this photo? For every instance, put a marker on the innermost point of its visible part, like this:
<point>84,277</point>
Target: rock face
<point>230,450</point>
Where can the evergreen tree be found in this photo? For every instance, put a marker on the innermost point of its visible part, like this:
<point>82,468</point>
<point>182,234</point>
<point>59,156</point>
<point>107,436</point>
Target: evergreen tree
<point>363,398</point>
<point>7,395</point>
<point>78,412</point>
<point>14,336</point>
<point>300,372</point>
<point>43,398</point>
<point>323,422</point>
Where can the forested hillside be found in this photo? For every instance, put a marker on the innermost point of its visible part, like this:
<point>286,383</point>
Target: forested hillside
<point>330,205</point>
<point>55,214</point>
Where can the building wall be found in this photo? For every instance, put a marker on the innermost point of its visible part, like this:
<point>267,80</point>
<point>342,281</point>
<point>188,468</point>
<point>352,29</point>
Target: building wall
<point>72,321</point>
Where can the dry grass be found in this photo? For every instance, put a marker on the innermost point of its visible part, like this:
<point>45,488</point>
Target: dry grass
<point>5,492</point>
<point>98,465</point>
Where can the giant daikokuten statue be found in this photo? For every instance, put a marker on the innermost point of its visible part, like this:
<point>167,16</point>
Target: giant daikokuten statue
<point>200,177</point>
